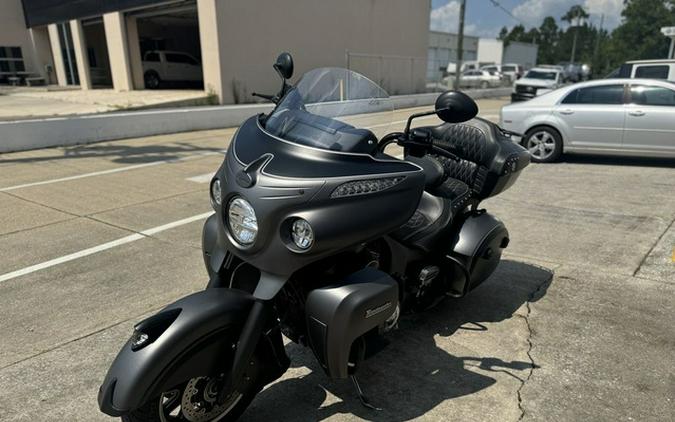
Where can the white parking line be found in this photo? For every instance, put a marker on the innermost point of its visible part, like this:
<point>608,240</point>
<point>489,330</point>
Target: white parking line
<point>102,247</point>
<point>202,178</point>
<point>111,171</point>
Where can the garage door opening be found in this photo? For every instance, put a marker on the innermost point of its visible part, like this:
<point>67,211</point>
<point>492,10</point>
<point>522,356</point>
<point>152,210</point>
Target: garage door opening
<point>170,48</point>
<point>97,53</point>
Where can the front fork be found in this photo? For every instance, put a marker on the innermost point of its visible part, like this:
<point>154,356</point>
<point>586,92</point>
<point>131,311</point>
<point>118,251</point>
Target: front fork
<point>221,266</point>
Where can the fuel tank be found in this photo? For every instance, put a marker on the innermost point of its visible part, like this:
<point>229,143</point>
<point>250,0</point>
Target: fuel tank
<point>348,198</point>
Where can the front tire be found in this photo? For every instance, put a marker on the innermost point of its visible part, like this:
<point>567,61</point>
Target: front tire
<point>483,85</point>
<point>544,144</point>
<point>196,400</point>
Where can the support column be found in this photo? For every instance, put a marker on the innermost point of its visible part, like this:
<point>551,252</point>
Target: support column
<point>81,55</point>
<point>207,14</point>
<point>135,53</point>
<point>57,54</point>
<point>118,51</point>
<point>42,52</point>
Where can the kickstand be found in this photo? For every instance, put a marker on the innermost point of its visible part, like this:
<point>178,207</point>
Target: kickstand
<point>362,397</point>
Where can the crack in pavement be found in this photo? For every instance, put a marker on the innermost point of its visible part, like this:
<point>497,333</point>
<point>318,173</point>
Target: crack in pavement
<point>530,345</point>
<point>656,242</point>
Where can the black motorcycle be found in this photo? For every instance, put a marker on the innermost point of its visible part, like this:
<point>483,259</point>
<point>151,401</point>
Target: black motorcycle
<point>321,236</point>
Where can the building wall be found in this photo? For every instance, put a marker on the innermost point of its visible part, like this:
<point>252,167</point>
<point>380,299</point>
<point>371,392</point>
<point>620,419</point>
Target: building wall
<point>387,38</point>
<point>13,33</point>
<point>443,49</point>
<point>490,50</point>
<point>521,53</point>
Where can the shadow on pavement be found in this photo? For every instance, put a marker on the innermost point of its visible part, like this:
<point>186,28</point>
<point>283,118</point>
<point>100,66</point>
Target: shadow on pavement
<point>412,375</point>
<point>619,160</point>
<point>125,154</point>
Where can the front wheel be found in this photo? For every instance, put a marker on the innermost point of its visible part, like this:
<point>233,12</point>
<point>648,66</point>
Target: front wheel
<point>484,85</point>
<point>197,400</point>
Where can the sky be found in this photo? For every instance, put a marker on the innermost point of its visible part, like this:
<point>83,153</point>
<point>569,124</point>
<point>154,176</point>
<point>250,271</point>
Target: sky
<point>484,19</point>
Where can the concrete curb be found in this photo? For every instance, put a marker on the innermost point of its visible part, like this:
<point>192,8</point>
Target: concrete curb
<point>22,135</point>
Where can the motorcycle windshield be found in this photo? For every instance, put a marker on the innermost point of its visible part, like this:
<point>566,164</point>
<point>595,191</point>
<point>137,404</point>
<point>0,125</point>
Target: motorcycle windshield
<point>335,109</point>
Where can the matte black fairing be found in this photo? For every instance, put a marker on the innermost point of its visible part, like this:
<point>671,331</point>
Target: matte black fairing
<point>295,181</point>
<point>196,343</point>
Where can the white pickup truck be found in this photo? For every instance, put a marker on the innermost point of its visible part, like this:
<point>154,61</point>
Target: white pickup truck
<point>169,66</point>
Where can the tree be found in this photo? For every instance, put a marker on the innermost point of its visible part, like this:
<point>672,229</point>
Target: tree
<point>575,16</point>
<point>549,36</point>
<point>638,37</point>
<point>503,33</point>
<point>517,34</point>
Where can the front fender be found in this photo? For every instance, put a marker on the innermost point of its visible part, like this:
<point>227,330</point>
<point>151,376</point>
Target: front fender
<point>198,341</point>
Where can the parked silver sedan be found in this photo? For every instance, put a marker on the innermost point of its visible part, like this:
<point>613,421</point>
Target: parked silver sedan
<point>611,116</point>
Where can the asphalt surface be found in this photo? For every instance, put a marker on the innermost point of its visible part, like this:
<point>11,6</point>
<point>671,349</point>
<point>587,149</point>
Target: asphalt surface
<point>576,324</point>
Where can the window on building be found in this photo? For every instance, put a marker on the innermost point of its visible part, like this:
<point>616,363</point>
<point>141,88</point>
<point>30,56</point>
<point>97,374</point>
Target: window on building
<point>91,54</point>
<point>652,95</point>
<point>652,72</point>
<point>11,60</point>
<point>603,94</point>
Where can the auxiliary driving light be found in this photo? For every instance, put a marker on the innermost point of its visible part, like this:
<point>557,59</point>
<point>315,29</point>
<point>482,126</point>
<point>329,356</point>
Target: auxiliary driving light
<point>216,192</point>
<point>242,221</point>
<point>302,233</point>
<point>138,340</point>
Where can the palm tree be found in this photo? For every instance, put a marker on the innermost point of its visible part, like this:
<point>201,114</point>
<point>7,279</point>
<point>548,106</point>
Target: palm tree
<point>574,17</point>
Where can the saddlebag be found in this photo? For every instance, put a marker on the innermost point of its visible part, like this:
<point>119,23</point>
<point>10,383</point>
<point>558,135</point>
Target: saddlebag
<point>475,252</point>
<point>339,314</point>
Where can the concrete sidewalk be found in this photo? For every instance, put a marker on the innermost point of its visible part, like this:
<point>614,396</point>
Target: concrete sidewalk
<point>21,103</point>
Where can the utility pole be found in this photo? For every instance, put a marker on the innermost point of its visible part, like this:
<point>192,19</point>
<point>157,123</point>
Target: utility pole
<point>576,33</point>
<point>597,40</point>
<point>460,42</point>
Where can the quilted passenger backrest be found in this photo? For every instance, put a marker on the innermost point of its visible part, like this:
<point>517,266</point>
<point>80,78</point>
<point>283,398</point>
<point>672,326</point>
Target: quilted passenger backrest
<point>468,140</point>
<point>476,143</point>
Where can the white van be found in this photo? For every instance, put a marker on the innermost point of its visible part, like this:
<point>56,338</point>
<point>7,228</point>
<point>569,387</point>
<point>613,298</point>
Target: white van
<point>647,69</point>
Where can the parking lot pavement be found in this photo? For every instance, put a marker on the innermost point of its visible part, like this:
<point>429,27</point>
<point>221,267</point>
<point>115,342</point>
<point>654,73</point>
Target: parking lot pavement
<point>576,324</point>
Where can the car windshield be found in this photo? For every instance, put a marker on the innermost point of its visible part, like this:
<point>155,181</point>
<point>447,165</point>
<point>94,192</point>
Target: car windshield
<point>333,108</point>
<point>540,74</point>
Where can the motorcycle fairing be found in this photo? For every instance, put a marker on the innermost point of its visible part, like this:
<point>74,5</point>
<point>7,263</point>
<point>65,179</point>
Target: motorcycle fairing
<point>297,181</point>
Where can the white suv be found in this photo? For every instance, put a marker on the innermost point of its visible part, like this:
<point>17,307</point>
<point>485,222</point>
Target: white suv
<point>649,69</point>
<point>537,81</point>
<point>169,66</point>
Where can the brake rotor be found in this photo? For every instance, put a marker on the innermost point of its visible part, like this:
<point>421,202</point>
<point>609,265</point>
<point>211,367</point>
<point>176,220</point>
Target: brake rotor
<point>200,400</point>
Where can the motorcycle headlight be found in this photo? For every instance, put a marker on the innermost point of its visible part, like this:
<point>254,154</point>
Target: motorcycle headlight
<point>242,221</point>
<point>216,192</point>
<point>302,234</point>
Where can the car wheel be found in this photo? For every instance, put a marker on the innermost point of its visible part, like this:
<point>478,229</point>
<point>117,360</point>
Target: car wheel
<point>151,80</point>
<point>483,85</point>
<point>544,144</point>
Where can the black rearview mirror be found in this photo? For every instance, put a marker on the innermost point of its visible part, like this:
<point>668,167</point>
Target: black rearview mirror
<point>284,65</point>
<point>455,107</point>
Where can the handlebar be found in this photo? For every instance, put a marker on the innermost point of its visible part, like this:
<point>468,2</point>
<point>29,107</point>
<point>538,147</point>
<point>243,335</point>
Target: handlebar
<point>420,142</point>
<point>272,98</point>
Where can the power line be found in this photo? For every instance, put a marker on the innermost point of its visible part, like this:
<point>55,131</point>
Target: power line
<point>507,11</point>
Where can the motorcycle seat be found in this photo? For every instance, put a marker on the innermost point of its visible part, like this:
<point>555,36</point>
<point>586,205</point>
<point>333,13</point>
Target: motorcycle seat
<point>456,192</point>
<point>438,207</point>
